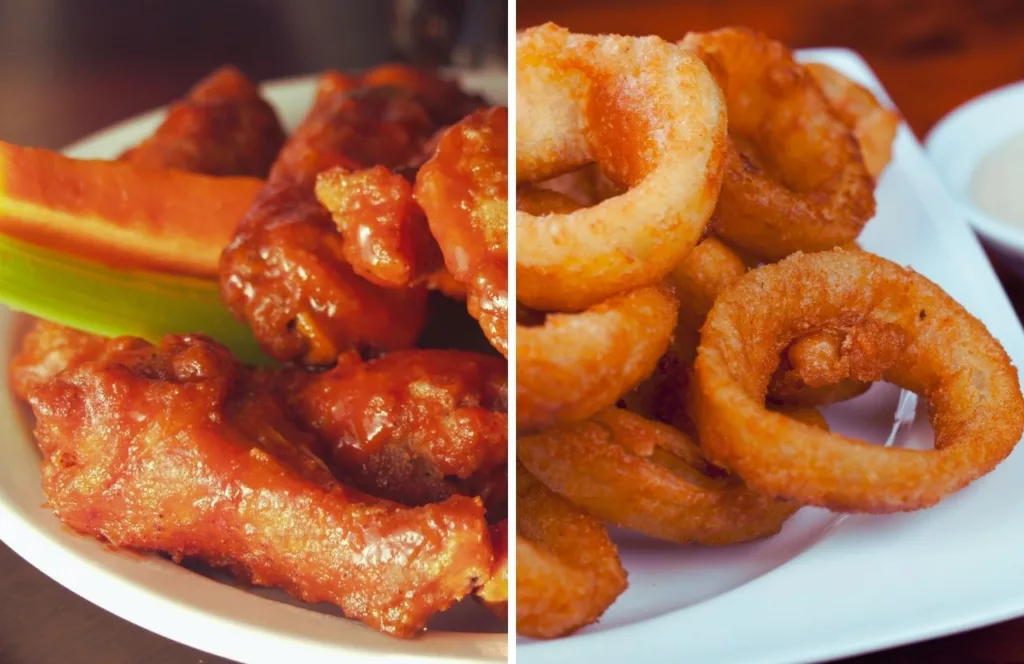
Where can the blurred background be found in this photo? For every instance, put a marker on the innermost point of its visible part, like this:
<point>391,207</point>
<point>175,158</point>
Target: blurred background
<point>71,67</point>
<point>930,55</point>
<point>68,67</point>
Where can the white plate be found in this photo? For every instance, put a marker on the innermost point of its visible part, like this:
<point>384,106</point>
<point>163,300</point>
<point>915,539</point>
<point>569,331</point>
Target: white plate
<point>253,626</point>
<point>824,589</point>
<point>957,145</point>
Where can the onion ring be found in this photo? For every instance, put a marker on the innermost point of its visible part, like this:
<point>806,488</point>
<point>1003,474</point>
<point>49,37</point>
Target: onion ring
<point>950,359</point>
<point>540,200</point>
<point>567,569</point>
<point>653,118</point>
<point>874,125</point>
<point>703,274</point>
<point>646,476</point>
<point>574,365</point>
<point>835,364</point>
<point>795,179</point>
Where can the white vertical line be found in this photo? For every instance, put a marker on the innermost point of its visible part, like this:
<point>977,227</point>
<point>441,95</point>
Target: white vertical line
<point>512,331</point>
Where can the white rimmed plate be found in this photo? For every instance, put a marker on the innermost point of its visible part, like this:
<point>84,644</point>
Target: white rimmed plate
<point>825,588</point>
<point>249,625</point>
<point>959,142</point>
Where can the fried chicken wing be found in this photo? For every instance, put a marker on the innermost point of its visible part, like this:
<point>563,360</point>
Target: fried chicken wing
<point>463,189</point>
<point>222,127</point>
<point>48,349</point>
<point>414,426</point>
<point>286,274</point>
<point>494,593</point>
<point>384,232</point>
<point>172,449</point>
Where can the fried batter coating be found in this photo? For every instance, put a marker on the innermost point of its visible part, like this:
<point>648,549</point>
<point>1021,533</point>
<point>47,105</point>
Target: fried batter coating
<point>172,449</point>
<point>567,568</point>
<point>835,364</point>
<point>414,426</point>
<point>705,272</point>
<point>795,179</point>
<point>463,189</point>
<point>285,272</point>
<point>874,125</point>
<point>646,476</point>
<point>385,234</point>
<point>222,127</point>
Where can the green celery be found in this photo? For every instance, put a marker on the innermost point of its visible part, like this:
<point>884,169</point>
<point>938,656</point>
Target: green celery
<point>95,298</point>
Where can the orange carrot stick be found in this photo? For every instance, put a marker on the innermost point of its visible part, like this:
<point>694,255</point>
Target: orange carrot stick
<point>118,213</point>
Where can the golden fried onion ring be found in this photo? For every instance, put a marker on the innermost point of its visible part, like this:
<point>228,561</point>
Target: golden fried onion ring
<point>950,360</point>
<point>795,179</point>
<point>649,477</point>
<point>574,365</point>
<point>698,279</point>
<point>651,115</point>
<point>874,125</point>
<point>568,570</point>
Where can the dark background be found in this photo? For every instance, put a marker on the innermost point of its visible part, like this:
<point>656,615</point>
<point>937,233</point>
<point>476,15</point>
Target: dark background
<point>71,67</point>
<point>931,55</point>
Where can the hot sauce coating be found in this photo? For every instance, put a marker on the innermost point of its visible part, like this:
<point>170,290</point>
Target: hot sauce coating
<point>171,449</point>
<point>285,273</point>
<point>463,189</point>
<point>414,426</point>
<point>494,593</point>
<point>385,233</point>
<point>222,127</point>
<point>48,349</point>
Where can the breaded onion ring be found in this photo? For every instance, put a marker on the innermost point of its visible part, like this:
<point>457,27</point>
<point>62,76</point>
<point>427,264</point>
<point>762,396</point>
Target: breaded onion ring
<point>567,569</point>
<point>654,119</point>
<point>574,365</point>
<point>703,274</point>
<point>950,359</point>
<point>649,477</point>
<point>835,364</point>
<point>795,179</point>
<point>539,200</point>
<point>874,125</point>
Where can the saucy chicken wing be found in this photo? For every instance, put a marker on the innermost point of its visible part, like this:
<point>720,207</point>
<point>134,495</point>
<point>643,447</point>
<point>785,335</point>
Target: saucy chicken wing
<point>414,426</point>
<point>171,449</point>
<point>286,272</point>
<point>222,127</point>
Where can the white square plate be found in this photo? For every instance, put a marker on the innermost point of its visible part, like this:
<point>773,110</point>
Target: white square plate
<point>824,587</point>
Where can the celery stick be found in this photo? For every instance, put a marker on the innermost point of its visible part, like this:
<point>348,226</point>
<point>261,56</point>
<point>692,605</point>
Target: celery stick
<point>95,298</point>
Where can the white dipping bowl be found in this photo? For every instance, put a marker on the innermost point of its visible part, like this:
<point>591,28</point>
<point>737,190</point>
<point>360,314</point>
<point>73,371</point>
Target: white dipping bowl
<point>958,143</point>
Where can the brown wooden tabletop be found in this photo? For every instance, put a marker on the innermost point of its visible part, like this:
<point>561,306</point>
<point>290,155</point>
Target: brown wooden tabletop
<point>71,67</point>
<point>931,57</point>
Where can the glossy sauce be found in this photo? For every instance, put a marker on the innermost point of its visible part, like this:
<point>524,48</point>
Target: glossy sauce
<point>998,183</point>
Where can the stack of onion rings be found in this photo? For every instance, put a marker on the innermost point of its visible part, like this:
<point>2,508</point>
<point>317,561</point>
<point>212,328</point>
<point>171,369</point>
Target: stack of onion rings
<point>669,367</point>
<point>795,179</point>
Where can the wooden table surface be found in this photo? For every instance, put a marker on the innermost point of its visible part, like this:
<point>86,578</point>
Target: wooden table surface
<point>931,57</point>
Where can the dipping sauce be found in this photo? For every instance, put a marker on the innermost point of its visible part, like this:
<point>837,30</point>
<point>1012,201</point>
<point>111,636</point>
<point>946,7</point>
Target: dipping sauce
<point>998,184</point>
